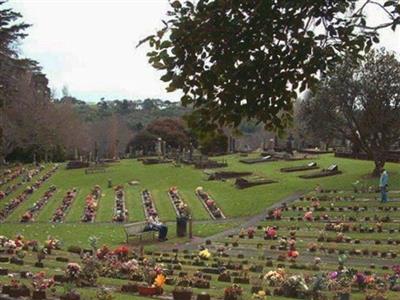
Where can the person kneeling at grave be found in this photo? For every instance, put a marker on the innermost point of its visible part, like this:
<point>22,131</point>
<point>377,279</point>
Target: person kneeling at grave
<point>155,224</point>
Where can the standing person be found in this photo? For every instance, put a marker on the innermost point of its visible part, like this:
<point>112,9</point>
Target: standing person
<point>383,185</point>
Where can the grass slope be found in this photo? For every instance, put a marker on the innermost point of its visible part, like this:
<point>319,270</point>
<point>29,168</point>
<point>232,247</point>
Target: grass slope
<point>158,178</point>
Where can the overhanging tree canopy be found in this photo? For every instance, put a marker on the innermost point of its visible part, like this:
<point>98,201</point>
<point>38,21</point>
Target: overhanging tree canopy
<point>238,60</point>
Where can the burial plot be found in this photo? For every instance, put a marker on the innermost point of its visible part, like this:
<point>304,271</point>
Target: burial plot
<point>243,183</point>
<point>209,204</point>
<point>180,206</point>
<point>91,205</point>
<point>10,175</point>
<point>31,213</point>
<point>95,169</point>
<point>263,159</point>
<point>332,170</point>
<point>155,160</point>
<point>148,204</point>
<point>210,164</point>
<point>29,190</point>
<point>77,164</point>
<point>309,166</point>
<point>65,206</point>
<point>120,210</point>
<point>227,175</point>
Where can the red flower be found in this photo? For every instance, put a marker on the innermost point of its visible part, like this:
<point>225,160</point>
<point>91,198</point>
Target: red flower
<point>121,251</point>
<point>293,254</point>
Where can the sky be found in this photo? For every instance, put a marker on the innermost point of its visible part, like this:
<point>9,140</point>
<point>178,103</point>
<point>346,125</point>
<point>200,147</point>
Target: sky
<point>90,45</point>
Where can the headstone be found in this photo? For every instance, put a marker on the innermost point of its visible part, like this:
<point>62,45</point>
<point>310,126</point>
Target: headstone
<point>159,146</point>
<point>191,151</point>
<point>271,145</point>
<point>332,168</point>
<point>96,152</point>
<point>163,148</point>
<point>289,145</point>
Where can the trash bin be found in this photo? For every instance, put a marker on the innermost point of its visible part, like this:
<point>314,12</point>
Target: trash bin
<point>181,226</point>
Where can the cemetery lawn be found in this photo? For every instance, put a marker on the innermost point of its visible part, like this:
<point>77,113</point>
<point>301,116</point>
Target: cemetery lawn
<point>236,204</point>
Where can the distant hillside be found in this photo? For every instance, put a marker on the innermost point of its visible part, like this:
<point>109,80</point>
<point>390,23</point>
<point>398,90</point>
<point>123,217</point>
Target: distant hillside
<point>136,113</point>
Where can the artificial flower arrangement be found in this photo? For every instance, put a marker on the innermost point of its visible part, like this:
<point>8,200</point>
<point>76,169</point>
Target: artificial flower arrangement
<point>104,294</point>
<point>41,255</point>
<point>73,271</point>
<point>294,285</point>
<point>102,252</point>
<point>250,232</point>
<point>130,266</point>
<point>52,243</point>
<point>274,278</point>
<point>183,289</point>
<point>270,232</point>
<point>10,246</point>
<point>234,292</point>
<point>90,271</point>
<point>260,295</point>
<point>308,216</point>
<point>19,241</point>
<point>312,247</point>
<point>277,214</point>
<point>40,282</point>
<point>121,252</point>
<point>205,254</point>
<point>342,280</point>
<point>154,279</point>
<point>293,254</point>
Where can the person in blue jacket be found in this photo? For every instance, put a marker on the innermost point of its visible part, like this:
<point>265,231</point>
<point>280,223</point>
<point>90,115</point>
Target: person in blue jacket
<point>383,185</point>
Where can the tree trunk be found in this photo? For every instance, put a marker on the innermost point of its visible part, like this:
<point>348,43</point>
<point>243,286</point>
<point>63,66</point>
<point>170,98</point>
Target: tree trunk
<point>379,160</point>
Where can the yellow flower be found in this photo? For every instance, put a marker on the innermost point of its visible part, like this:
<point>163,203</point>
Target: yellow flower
<point>205,254</point>
<point>261,293</point>
<point>159,281</point>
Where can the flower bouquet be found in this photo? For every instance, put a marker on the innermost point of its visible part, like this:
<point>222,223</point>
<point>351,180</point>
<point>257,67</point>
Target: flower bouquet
<point>205,254</point>
<point>73,272</point>
<point>40,284</point>
<point>155,280</point>
<point>182,290</point>
<point>234,292</point>
<point>250,232</point>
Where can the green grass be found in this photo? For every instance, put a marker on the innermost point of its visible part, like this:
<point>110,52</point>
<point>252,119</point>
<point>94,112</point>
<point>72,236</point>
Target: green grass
<point>159,178</point>
<point>234,203</point>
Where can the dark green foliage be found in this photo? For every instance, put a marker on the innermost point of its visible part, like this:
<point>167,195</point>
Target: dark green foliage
<point>172,131</point>
<point>361,103</point>
<point>241,60</point>
<point>213,143</point>
<point>11,30</point>
<point>144,141</point>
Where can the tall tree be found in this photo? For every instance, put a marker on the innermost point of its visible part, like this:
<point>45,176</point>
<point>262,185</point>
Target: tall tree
<point>361,102</point>
<point>236,60</point>
<point>171,130</point>
<point>313,118</point>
